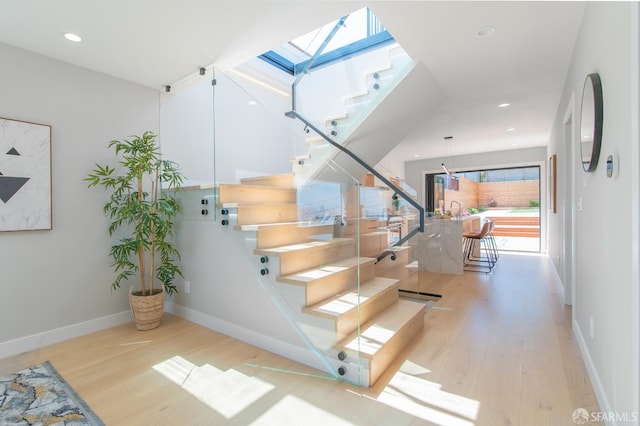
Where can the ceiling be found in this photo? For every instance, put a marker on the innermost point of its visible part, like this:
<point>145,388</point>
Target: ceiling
<point>159,42</point>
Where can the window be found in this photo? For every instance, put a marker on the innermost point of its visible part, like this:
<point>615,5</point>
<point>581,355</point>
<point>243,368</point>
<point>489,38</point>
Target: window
<point>361,31</point>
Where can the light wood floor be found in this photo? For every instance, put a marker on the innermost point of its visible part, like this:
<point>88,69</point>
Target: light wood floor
<point>496,350</point>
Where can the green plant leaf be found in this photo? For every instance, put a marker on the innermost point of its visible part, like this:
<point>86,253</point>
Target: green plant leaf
<point>143,216</point>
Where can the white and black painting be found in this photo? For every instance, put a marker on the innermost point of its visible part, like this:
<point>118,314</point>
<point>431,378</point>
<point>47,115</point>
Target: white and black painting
<point>25,176</point>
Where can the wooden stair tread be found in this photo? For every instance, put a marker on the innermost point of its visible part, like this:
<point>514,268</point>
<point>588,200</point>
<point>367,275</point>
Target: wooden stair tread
<point>336,117</point>
<point>303,224</point>
<point>280,181</point>
<point>373,233</point>
<point>234,205</point>
<point>277,251</point>
<point>398,249</point>
<point>310,275</point>
<point>347,301</point>
<point>377,332</point>
<point>286,233</point>
<point>239,193</point>
<point>254,213</point>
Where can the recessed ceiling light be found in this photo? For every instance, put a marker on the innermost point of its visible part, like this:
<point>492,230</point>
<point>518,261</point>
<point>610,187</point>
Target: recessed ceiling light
<point>485,31</point>
<point>73,37</point>
<point>510,129</point>
<point>416,155</point>
<point>504,105</point>
<point>252,103</point>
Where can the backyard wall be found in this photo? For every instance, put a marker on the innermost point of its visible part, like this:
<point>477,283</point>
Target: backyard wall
<point>509,194</point>
<point>467,195</point>
<point>480,194</point>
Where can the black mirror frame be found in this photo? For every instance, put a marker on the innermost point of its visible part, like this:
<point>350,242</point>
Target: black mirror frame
<point>596,85</point>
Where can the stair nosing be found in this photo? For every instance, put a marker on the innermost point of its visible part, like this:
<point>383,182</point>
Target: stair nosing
<point>287,279</point>
<point>280,250</point>
<point>303,224</point>
<point>343,344</point>
<point>389,283</point>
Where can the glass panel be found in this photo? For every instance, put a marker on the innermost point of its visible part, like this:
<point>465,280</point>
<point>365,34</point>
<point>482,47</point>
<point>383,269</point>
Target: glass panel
<point>185,130</point>
<point>356,27</point>
<point>399,221</point>
<point>333,102</point>
<point>336,41</point>
<point>299,237</point>
<point>318,245</point>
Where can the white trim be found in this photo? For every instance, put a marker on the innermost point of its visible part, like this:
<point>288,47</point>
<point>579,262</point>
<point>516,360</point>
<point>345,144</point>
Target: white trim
<point>634,111</point>
<point>569,201</point>
<point>356,371</point>
<point>284,349</point>
<point>598,388</point>
<point>557,280</point>
<point>38,340</point>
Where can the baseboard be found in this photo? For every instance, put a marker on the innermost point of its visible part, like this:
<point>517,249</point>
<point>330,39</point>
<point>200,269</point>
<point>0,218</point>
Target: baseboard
<point>284,349</point>
<point>557,282</point>
<point>38,340</point>
<point>598,388</point>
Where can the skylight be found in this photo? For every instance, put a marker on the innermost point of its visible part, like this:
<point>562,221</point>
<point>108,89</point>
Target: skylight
<point>360,31</point>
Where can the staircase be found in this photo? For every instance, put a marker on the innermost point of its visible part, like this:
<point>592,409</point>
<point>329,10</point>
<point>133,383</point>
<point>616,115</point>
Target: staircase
<point>322,276</point>
<point>374,121</point>
<point>348,313</point>
<point>516,226</point>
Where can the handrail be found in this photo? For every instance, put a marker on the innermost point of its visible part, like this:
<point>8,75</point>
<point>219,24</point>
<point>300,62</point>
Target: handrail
<point>304,72</point>
<point>400,192</point>
<point>294,114</point>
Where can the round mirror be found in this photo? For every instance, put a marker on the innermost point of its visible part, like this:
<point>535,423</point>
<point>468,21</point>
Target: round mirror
<point>591,122</point>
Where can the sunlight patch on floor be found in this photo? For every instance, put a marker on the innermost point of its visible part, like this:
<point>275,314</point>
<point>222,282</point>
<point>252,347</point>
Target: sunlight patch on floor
<point>228,392</point>
<point>413,369</point>
<point>291,410</point>
<point>426,400</point>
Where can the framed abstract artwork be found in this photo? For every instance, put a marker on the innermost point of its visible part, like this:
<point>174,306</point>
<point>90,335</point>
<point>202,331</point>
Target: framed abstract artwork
<point>25,176</point>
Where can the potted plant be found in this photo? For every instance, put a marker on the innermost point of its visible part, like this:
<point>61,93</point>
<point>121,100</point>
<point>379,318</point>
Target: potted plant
<point>141,213</point>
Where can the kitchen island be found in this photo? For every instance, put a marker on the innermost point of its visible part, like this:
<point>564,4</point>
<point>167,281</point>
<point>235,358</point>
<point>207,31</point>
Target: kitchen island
<point>439,247</point>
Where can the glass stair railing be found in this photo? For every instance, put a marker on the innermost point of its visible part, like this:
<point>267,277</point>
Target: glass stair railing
<point>402,217</point>
<point>329,249</point>
<point>313,247</point>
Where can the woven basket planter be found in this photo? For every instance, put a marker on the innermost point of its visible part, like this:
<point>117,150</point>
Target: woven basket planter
<point>147,310</point>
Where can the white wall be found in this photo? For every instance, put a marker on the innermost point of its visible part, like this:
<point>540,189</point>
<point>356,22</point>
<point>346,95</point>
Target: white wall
<point>605,294</point>
<point>213,132</point>
<point>322,93</point>
<point>186,128</point>
<point>61,278</point>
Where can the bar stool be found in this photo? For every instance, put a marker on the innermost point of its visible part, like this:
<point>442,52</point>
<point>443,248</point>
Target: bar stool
<point>481,237</point>
<point>492,240</point>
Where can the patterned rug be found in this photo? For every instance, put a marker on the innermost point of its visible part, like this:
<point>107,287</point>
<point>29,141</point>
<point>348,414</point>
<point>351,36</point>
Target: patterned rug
<point>39,396</point>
